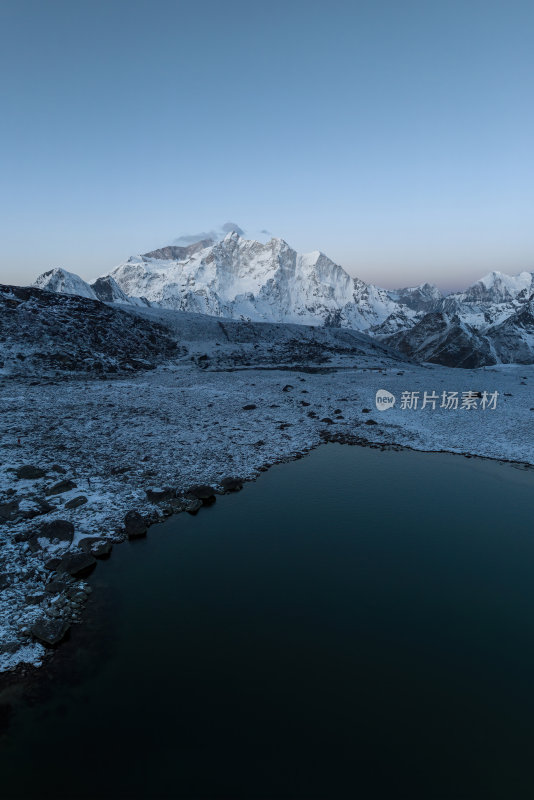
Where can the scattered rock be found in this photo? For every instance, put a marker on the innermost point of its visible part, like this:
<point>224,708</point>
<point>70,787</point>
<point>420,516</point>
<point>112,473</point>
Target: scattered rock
<point>249,407</point>
<point>29,472</point>
<point>9,511</point>
<point>43,507</point>
<point>134,525</point>
<point>33,599</point>
<point>5,580</point>
<point>58,469</point>
<point>193,505</point>
<point>49,631</point>
<point>52,564</point>
<point>78,564</point>
<point>366,410</point>
<point>328,420</point>
<point>287,387</point>
<point>76,502</point>
<point>371,422</point>
<point>55,587</point>
<point>203,492</point>
<point>95,546</point>
<point>232,484</point>
<point>119,470</point>
<point>60,529</point>
<point>61,487</point>
<point>160,495</point>
<point>33,543</point>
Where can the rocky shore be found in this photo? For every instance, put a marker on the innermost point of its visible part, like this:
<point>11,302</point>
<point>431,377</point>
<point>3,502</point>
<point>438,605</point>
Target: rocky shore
<point>88,462</point>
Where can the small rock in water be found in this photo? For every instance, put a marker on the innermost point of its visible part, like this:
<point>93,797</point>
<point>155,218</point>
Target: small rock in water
<point>193,505</point>
<point>232,484</point>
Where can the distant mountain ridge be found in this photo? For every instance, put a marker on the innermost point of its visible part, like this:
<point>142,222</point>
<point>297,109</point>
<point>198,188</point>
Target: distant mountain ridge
<point>244,279</point>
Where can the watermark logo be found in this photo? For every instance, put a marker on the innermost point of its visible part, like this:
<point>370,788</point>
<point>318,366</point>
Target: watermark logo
<point>447,400</point>
<point>384,400</point>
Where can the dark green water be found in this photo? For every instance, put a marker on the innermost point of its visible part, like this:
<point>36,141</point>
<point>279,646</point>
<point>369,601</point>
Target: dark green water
<point>355,624</point>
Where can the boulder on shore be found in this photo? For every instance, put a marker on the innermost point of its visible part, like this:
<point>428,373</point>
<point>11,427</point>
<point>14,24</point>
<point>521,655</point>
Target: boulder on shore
<point>193,505</point>
<point>95,546</point>
<point>60,529</point>
<point>134,525</point>
<point>29,472</point>
<point>232,484</point>
<point>78,564</point>
<point>61,487</point>
<point>202,492</point>
<point>49,631</point>
<point>160,495</point>
<point>76,502</point>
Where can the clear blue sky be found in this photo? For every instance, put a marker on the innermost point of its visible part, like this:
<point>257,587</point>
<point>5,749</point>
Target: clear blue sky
<point>395,135</point>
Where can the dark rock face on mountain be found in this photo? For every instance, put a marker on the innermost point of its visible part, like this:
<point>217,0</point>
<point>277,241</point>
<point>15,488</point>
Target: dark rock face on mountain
<point>175,253</point>
<point>46,333</point>
<point>513,339</point>
<point>426,297</point>
<point>108,291</point>
<point>445,340</point>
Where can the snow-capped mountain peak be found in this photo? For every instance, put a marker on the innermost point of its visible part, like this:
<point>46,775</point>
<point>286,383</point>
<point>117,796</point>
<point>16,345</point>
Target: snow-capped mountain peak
<point>63,282</point>
<point>240,277</point>
<point>497,287</point>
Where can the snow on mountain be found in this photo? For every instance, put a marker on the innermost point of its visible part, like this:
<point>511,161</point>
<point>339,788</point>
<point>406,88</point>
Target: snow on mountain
<point>496,287</point>
<point>243,278</point>
<point>490,300</point>
<point>449,340</point>
<point>513,339</point>
<point>63,282</point>
<point>419,298</point>
<point>442,339</point>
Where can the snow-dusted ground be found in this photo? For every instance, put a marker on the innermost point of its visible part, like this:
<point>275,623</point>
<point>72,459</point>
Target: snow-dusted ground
<point>184,424</point>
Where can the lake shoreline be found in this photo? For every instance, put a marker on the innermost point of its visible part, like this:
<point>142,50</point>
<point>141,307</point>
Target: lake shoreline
<point>25,672</point>
<point>134,443</point>
<point>213,577</point>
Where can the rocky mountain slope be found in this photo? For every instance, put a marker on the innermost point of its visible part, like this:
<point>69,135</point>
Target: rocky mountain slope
<point>445,338</point>
<point>44,333</point>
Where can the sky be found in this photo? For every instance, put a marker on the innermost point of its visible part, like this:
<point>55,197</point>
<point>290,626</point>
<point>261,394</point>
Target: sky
<point>394,135</point>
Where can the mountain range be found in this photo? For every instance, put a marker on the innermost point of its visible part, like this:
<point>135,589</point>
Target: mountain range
<point>490,322</point>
